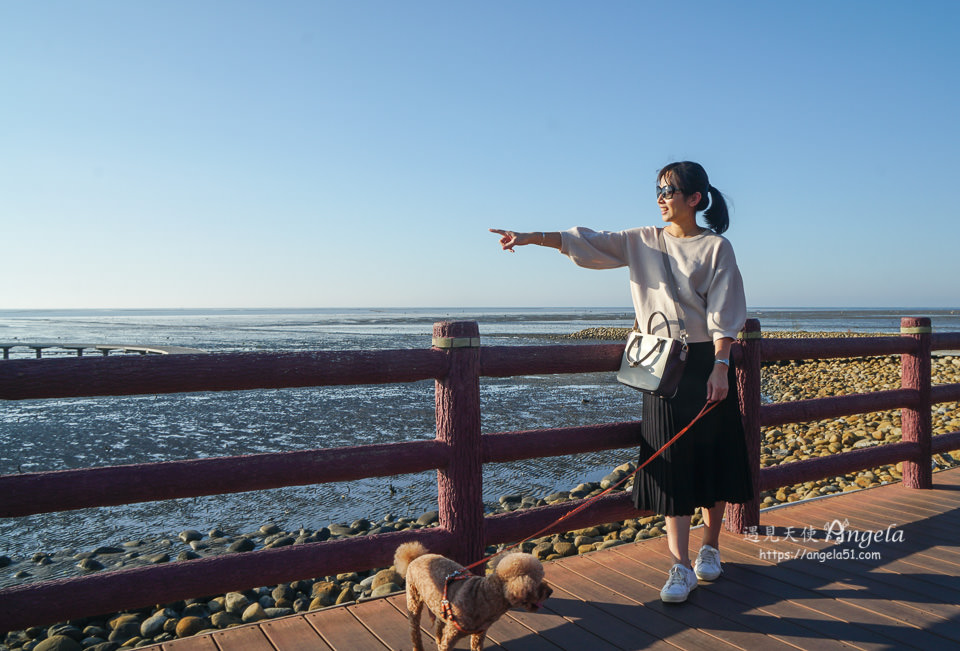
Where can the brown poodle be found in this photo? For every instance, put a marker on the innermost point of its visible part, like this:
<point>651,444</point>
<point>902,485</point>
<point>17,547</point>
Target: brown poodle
<point>475,602</point>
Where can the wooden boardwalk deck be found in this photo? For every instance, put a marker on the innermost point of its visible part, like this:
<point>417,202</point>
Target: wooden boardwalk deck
<point>901,591</point>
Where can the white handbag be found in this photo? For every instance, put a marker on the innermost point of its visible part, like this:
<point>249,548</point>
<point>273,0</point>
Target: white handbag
<point>651,363</point>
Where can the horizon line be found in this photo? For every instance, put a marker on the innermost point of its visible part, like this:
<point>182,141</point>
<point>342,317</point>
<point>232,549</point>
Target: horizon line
<point>625,308</point>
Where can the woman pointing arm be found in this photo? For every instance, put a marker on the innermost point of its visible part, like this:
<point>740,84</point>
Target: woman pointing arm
<point>707,467</point>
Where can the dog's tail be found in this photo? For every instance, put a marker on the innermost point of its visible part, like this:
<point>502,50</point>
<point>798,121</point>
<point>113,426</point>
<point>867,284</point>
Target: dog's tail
<point>405,554</point>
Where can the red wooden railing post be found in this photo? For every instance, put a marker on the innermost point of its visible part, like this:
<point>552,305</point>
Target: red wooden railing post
<point>741,516</point>
<point>460,482</point>
<point>916,422</point>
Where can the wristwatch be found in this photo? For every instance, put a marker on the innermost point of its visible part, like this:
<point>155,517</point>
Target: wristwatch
<point>725,362</point>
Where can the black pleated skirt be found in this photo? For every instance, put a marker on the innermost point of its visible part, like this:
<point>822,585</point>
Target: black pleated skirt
<point>706,465</point>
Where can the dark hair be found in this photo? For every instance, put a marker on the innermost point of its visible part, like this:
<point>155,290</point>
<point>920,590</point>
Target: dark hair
<point>690,177</point>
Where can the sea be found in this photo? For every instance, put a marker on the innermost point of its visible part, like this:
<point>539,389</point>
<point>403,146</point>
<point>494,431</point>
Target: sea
<point>46,435</point>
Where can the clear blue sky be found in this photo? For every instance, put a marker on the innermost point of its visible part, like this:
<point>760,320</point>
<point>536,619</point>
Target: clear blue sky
<point>354,153</point>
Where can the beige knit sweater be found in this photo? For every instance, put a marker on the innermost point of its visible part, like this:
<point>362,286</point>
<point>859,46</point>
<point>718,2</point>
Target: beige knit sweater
<point>710,286</point>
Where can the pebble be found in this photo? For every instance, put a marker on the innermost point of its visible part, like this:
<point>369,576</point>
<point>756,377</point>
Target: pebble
<point>58,643</point>
<point>90,565</point>
<point>153,626</point>
<point>190,626</point>
<point>242,545</point>
<point>253,613</point>
<point>780,382</point>
<point>225,619</point>
<point>190,535</point>
<point>236,602</point>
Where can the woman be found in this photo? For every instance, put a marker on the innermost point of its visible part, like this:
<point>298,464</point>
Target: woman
<point>707,467</point>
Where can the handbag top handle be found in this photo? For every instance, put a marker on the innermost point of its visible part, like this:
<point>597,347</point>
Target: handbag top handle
<point>674,293</point>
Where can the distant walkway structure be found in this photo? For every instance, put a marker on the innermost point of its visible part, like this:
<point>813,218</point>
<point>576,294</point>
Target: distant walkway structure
<point>104,349</point>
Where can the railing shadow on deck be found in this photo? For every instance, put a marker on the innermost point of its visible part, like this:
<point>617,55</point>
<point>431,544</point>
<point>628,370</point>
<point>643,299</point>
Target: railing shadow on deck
<point>456,361</point>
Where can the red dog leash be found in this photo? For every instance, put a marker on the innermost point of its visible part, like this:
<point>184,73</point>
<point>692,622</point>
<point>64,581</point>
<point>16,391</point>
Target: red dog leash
<point>462,573</point>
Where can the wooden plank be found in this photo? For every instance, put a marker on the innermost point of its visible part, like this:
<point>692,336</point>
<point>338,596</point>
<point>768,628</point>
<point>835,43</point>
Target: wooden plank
<point>939,526</point>
<point>943,480</point>
<point>882,585</point>
<point>852,605</point>
<point>508,633</point>
<point>950,477</point>
<point>621,620</point>
<point>743,606</point>
<point>817,627</point>
<point>918,502</point>
<point>719,619</point>
<point>557,629</point>
<point>386,622</point>
<point>504,634</point>
<point>616,632</point>
<point>293,634</point>
<point>427,623</point>
<point>800,624</point>
<point>940,523</point>
<point>941,495</point>
<point>901,589</point>
<point>342,631</point>
<point>939,491</point>
<point>919,537</point>
<point>195,643</point>
<point>742,565</point>
<point>889,599</point>
<point>651,567</point>
<point>242,638</point>
<point>942,576</point>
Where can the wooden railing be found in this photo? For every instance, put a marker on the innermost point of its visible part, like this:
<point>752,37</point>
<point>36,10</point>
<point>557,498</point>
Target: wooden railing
<point>456,362</point>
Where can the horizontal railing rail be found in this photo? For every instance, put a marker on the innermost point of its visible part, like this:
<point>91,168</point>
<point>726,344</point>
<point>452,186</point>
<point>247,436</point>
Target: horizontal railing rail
<point>128,376</point>
<point>455,363</point>
<point>67,490</point>
<point>818,408</point>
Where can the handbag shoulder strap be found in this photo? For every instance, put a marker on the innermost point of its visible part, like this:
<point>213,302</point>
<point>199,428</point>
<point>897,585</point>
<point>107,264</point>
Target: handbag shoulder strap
<point>672,285</point>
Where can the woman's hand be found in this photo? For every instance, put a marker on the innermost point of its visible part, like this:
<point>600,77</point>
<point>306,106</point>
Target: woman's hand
<point>510,239</point>
<point>718,385</point>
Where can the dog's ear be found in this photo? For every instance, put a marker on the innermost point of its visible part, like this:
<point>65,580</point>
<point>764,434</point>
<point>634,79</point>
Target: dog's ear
<point>544,591</point>
<point>521,574</point>
<point>520,589</point>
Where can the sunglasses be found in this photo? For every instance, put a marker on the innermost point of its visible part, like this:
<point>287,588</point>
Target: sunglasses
<point>666,191</point>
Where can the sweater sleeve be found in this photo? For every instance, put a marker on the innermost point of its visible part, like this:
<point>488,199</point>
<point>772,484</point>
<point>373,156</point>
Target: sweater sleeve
<point>594,249</point>
<point>726,301</point>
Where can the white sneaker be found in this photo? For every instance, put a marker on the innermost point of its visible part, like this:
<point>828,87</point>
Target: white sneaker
<point>707,566</point>
<point>679,584</point>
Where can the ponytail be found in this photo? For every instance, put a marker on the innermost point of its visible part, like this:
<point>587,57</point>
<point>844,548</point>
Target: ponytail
<point>718,219</point>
